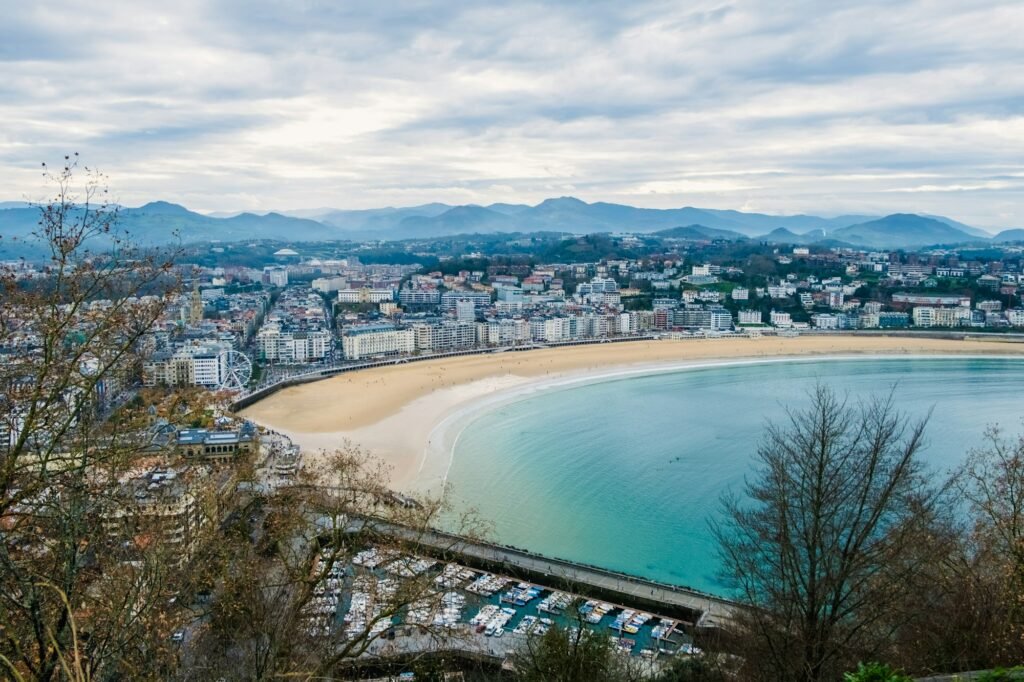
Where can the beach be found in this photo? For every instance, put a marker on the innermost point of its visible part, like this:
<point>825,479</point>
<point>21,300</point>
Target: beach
<point>407,414</point>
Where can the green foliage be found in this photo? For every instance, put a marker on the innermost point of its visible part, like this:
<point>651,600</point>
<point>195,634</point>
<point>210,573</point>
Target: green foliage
<point>591,247</point>
<point>562,655</point>
<point>692,669</point>
<point>875,672</point>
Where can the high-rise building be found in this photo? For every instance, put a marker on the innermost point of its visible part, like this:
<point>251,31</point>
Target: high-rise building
<point>465,311</point>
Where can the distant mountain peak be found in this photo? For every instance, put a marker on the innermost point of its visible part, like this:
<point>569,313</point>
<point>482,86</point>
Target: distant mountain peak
<point>163,207</point>
<point>903,230</point>
<point>563,202</point>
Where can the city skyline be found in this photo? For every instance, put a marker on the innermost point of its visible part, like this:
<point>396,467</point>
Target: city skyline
<point>793,109</point>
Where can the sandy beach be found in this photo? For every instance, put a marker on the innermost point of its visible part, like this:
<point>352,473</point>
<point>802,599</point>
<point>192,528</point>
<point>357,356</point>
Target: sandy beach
<point>407,415</point>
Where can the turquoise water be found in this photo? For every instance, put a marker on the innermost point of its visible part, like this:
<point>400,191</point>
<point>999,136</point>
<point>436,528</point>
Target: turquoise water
<point>625,473</point>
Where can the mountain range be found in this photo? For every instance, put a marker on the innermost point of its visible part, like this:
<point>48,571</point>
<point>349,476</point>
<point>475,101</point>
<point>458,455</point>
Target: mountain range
<point>161,222</point>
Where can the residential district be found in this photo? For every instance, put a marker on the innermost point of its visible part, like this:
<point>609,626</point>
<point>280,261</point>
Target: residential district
<point>236,327</point>
<point>298,312</point>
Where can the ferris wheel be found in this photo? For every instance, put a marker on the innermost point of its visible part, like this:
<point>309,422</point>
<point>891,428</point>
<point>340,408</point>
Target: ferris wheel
<point>236,370</point>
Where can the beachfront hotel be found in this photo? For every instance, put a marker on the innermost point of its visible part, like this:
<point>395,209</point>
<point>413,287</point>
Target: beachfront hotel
<point>376,340</point>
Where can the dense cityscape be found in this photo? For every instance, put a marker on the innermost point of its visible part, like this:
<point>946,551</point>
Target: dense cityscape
<point>300,311</point>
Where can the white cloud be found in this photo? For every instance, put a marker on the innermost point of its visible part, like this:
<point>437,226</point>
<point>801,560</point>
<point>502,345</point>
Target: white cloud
<point>786,106</point>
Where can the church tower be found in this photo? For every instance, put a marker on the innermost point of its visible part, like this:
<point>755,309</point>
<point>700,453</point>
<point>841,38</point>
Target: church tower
<point>196,310</point>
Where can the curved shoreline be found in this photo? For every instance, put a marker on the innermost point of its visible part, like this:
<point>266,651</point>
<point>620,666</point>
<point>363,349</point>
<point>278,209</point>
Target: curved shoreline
<point>443,442</point>
<point>409,415</point>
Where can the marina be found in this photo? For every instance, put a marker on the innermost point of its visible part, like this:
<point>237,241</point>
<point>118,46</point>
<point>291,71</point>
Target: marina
<point>472,604</point>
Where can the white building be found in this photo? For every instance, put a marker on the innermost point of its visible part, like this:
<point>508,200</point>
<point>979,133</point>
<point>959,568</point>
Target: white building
<point>277,345</point>
<point>550,329</point>
<point>597,285</point>
<point>465,311</point>
<point>200,365</point>
<point>509,294</point>
<point>419,296</point>
<point>445,336</point>
<point>328,284</point>
<point>503,332</point>
<point>365,295</point>
<point>700,270</point>
<point>627,323</point>
<point>780,319</point>
<point>208,368</point>
<point>825,321</point>
<point>1015,316</point>
<point>750,317</point>
<point>927,316</point>
<point>275,276</point>
<point>700,317</point>
<point>480,299</point>
<point>371,341</point>
<point>740,294</point>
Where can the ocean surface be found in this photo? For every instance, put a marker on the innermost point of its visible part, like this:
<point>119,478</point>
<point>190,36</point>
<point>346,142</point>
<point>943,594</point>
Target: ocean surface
<point>625,473</point>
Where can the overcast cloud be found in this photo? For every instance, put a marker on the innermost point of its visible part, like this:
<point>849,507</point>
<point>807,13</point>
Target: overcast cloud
<point>783,107</point>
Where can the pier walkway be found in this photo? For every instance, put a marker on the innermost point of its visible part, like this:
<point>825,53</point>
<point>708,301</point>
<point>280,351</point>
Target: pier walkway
<point>712,611</point>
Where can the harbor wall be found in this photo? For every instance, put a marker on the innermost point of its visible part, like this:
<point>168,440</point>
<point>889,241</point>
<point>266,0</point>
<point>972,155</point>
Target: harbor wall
<point>698,609</point>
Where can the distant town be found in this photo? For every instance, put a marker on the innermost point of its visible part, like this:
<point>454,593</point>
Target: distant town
<point>300,308</point>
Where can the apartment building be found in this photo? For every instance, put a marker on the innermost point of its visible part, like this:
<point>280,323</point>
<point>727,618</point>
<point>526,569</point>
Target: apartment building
<point>503,332</point>
<point>445,336</point>
<point>703,317</point>
<point>168,505</point>
<point>278,345</point>
<point>275,276</point>
<point>927,316</point>
<point>190,365</point>
<point>328,285</point>
<point>370,341</point>
<point>419,297</point>
<point>480,299</point>
<point>365,295</point>
<point>750,317</point>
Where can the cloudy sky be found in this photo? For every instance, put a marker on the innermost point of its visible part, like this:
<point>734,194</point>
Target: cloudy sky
<point>773,106</point>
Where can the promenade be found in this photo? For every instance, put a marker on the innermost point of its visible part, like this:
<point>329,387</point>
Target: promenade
<point>321,372</point>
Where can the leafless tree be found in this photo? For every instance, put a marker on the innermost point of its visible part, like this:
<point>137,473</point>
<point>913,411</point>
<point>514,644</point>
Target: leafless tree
<point>993,484</point>
<point>264,574</point>
<point>67,339</point>
<point>827,537</point>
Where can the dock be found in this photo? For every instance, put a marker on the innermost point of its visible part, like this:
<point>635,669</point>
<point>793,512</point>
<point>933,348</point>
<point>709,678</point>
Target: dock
<point>704,611</point>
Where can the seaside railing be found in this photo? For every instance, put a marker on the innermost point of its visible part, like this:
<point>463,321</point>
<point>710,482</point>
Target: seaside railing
<point>246,398</point>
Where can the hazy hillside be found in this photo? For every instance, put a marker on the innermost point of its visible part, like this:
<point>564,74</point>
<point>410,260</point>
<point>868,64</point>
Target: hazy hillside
<point>377,220</point>
<point>699,232</point>
<point>161,222</point>
<point>902,230</point>
<point>459,220</point>
<point>1014,235</point>
<point>781,235</point>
